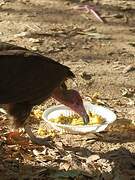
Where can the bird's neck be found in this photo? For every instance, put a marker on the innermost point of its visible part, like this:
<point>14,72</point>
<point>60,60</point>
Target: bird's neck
<point>60,95</point>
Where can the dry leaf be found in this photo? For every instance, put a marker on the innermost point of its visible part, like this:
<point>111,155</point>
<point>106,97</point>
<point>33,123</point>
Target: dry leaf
<point>22,34</point>
<point>17,138</point>
<point>33,40</point>
<point>66,166</point>
<point>129,68</point>
<point>92,158</point>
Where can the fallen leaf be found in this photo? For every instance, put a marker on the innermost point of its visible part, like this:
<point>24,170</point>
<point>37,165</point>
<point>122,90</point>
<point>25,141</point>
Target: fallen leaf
<point>65,166</point>
<point>16,138</point>
<point>35,40</point>
<point>95,35</point>
<point>22,34</point>
<point>92,158</point>
<point>129,68</point>
<point>132,44</point>
<point>34,48</point>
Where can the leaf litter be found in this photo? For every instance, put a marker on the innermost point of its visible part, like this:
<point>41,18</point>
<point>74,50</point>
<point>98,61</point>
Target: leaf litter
<point>93,156</point>
<point>74,157</point>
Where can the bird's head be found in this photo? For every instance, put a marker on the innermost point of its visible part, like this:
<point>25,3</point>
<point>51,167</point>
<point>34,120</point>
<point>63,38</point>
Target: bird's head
<point>73,100</point>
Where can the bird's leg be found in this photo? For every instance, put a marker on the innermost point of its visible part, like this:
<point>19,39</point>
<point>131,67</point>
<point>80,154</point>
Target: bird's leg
<point>20,112</point>
<point>34,139</point>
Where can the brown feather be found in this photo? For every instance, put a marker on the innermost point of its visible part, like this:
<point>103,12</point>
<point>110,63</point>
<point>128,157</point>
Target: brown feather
<point>27,78</point>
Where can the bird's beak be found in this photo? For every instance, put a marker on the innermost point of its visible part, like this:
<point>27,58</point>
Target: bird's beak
<point>85,119</point>
<point>82,112</point>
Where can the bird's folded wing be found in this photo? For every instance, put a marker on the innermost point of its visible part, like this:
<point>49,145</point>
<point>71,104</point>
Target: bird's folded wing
<point>26,76</point>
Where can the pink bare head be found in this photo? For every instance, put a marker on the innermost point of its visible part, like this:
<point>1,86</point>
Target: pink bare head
<point>73,100</point>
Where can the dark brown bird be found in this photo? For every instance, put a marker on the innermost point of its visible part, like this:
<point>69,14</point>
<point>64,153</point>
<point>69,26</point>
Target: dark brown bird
<point>27,79</point>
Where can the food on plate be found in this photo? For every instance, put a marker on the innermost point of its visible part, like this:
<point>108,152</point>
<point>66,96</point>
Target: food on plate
<point>77,120</point>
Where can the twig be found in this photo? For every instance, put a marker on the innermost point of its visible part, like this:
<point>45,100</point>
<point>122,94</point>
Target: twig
<point>90,9</point>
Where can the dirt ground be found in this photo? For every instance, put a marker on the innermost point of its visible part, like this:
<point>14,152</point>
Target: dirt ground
<point>102,56</point>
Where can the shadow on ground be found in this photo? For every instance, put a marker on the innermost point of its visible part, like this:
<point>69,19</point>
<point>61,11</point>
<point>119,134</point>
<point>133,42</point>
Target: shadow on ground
<point>122,159</point>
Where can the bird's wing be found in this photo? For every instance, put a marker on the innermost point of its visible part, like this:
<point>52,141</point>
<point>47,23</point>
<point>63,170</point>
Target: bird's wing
<point>25,76</point>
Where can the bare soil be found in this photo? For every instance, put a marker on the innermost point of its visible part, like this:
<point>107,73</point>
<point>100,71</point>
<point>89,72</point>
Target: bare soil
<point>102,56</point>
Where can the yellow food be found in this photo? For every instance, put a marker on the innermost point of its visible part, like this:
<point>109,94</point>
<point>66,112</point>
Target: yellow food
<point>76,120</point>
<point>38,113</point>
<point>43,132</point>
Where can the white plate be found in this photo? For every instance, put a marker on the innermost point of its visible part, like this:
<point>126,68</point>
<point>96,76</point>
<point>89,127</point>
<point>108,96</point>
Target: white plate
<point>56,111</point>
